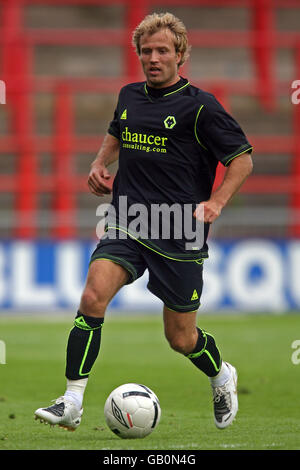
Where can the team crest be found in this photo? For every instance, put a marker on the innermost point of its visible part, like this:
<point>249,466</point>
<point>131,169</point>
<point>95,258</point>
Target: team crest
<point>170,122</point>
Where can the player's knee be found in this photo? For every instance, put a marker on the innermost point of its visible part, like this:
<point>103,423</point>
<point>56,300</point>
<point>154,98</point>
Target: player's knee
<point>92,302</point>
<point>180,343</point>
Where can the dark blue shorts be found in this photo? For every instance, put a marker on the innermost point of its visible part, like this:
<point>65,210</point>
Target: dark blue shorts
<point>177,283</point>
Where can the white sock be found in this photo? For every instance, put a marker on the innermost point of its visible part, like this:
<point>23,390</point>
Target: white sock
<point>75,391</point>
<point>222,377</point>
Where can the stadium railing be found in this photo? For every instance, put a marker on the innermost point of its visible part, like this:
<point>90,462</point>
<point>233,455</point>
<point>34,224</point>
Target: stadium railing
<point>17,43</point>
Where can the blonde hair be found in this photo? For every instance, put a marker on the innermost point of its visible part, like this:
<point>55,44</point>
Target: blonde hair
<point>157,21</point>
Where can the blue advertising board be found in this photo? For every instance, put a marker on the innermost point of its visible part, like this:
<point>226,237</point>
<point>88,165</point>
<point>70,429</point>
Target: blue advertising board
<point>253,275</point>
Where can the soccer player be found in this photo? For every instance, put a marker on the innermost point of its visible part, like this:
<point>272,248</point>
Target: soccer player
<point>169,137</point>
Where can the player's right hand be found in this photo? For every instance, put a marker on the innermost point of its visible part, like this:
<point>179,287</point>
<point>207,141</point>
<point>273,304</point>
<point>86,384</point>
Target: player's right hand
<point>99,180</point>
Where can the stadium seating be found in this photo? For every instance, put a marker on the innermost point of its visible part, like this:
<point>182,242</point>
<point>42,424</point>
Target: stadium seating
<point>63,62</point>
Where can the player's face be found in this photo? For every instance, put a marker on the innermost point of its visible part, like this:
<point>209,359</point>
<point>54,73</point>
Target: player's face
<point>159,58</point>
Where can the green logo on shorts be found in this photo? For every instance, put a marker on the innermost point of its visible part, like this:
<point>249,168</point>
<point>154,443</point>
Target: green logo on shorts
<point>195,295</point>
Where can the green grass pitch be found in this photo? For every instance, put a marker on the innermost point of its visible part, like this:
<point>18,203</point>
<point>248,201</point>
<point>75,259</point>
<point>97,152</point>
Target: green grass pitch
<point>134,349</point>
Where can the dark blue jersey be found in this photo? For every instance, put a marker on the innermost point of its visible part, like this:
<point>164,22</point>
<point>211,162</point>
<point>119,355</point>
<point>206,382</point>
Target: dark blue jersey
<point>171,141</point>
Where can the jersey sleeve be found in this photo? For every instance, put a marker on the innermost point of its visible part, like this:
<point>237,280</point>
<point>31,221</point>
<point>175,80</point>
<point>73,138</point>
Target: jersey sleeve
<point>219,133</point>
<point>114,125</point>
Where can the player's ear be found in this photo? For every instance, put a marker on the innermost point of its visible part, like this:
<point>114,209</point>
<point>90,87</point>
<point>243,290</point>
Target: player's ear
<point>178,57</point>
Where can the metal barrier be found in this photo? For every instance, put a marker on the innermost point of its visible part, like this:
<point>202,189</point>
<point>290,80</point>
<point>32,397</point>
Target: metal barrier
<point>17,44</point>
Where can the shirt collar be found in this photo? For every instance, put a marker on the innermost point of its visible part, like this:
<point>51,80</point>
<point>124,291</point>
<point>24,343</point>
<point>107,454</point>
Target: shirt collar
<point>160,92</point>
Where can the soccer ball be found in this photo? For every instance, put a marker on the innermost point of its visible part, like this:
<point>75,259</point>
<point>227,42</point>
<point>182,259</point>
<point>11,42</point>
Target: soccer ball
<point>132,411</point>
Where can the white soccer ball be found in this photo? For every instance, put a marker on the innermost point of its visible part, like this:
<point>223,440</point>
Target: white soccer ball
<point>132,411</point>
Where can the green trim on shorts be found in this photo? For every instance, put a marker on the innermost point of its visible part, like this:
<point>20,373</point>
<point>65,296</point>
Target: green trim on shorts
<point>157,250</point>
<point>181,311</point>
<point>121,261</point>
<point>176,307</point>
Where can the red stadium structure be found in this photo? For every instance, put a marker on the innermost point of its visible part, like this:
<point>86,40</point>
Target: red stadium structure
<point>17,44</point>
